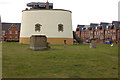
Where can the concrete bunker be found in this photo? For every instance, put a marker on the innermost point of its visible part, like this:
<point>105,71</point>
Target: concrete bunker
<point>39,42</point>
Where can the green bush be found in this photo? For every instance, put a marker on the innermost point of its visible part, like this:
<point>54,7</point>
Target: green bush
<point>12,40</point>
<point>93,39</point>
<point>112,41</point>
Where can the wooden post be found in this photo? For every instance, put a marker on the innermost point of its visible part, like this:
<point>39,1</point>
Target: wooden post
<point>64,43</point>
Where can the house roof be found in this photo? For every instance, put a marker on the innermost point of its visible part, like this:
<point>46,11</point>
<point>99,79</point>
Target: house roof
<point>94,25</point>
<point>117,24</point>
<point>80,27</point>
<point>83,27</point>
<point>6,26</point>
<point>104,24</point>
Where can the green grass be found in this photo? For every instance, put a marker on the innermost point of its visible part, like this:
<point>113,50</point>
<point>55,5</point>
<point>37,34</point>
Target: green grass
<point>74,61</point>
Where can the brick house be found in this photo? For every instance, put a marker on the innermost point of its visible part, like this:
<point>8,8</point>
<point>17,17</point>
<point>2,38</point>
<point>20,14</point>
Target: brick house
<point>85,32</point>
<point>107,35</point>
<point>101,32</point>
<point>116,30</point>
<point>10,31</point>
<point>94,28</point>
<point>79,29</point>
<point>82,32</point>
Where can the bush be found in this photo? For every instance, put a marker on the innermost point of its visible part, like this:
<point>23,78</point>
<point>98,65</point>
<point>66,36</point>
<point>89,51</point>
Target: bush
<point>112,41</point>
<point>93,39</point>
<point>12,40</point>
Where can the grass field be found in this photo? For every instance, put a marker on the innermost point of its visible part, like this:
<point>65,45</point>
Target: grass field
<point>74,61</point>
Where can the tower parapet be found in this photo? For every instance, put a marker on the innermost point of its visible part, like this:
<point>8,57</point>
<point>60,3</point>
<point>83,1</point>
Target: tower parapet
<point>40,5</point>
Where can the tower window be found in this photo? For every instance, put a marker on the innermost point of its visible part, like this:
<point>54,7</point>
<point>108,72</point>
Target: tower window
<point>37,27</point>
<point>60,27</point>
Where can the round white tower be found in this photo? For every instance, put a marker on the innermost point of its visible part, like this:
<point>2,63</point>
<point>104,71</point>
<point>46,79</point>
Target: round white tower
<point>56,24</point>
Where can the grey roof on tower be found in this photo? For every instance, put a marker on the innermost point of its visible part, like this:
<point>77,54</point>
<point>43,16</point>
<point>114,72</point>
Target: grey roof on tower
<point>6,26</point>
<point>40,5</point>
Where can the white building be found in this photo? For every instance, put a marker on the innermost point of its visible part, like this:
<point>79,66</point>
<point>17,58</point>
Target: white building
<point>56,24</point>
<point>119,11</point>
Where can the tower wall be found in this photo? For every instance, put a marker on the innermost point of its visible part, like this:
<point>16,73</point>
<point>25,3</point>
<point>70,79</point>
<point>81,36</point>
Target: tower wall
<point>49,21</point>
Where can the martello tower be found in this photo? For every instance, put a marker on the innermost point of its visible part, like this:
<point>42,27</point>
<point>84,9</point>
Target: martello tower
<point>119,11</point>
<point>42,19</point>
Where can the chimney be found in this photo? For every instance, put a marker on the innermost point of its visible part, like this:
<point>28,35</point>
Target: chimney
<point>26,9</point>
<point>47,5</point>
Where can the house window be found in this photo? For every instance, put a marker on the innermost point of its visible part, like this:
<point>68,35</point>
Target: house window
<point>113,36</point>
<point>96,28</point>
<point>10,38</point>
<point>16,32</point>
<point>91,37</point>
<point>60,27</point>
<point>94,33</point>
<point>1,37</point>
<point>99,32</point>
<point>102,37</point>
<point>105,32</point>
<point>97,37</point>
<point>114,32</point>
<point>10,32</point>
<point>111,33</point>
<point>37,27</point>
<point>3,33</point>
<point>108,37</point>
<point>16,38</point>
<point>100,27</point>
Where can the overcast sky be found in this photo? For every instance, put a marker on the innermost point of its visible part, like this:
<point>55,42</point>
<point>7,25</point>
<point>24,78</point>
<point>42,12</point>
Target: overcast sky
<point>83,11</point>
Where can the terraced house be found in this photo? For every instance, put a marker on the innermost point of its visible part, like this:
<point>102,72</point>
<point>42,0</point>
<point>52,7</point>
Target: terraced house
<point>10,31</point>
<point>101,32</point>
